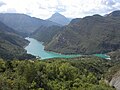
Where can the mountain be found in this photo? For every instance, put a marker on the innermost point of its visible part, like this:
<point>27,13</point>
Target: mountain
<point>60,19</point>
<point>23,23</point>
<point>114,14</point>
<point>74,21</point>
<point>11,43</point>
<point>115,55</point>
<point>50,31</point>
<point>45,34</point>
<point>89,35</point>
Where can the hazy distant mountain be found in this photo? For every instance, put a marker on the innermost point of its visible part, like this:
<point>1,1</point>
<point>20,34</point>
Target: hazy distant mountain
<point>91,34</point>
<point>60,19</point>
<point>114,14</point>
<point>23,23</point>
<point>11,43</point>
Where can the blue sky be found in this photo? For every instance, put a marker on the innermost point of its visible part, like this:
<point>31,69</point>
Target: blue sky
<point>70,8</point>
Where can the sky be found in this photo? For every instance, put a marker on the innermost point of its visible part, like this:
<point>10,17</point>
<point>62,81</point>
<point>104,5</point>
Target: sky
<point>70,8</point>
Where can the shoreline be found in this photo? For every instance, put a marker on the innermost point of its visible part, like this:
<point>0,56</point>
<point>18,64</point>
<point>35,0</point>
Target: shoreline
<point>63,55</point>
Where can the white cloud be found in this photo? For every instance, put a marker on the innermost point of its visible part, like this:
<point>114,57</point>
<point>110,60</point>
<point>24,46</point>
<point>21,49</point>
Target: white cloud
<point>1,3</point>
<point>69,8</point>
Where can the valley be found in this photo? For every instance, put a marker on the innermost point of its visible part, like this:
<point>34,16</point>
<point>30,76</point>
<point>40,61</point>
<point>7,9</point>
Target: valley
<point>88,35</point>
<point>36,48</point>
<point>59,54</point>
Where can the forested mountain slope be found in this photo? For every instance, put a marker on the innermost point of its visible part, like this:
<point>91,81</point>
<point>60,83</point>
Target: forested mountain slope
<point>45,34</point>
<point>89,35</point>
<point>11,43</point>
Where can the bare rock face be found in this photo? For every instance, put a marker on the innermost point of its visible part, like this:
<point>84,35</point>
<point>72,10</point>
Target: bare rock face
<point>115,82</point>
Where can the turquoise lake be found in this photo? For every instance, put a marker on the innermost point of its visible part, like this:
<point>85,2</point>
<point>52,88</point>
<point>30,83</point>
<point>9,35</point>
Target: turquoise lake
<point>36,48</point>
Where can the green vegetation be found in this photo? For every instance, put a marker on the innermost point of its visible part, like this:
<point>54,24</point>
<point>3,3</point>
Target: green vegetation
<point>12,44</point>
<point>92,34</point>
<point>45,34</point>
<point>88,35</point>
<point>115,56</point>
<point>84,73</point>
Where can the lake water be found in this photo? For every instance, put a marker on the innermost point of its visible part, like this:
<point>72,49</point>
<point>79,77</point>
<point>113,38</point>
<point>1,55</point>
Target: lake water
<point>36,48</point>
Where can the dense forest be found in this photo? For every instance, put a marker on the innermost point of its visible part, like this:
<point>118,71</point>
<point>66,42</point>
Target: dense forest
<point>84,73</point>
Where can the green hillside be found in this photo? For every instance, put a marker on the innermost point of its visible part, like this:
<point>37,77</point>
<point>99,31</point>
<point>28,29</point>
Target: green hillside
<point>11,43</point>
<point>89,35</point>
<point>86,73</point>
<point>45,34</point>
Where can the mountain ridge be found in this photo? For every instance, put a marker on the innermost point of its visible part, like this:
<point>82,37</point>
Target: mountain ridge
<point>23,23</point>
<point>89,35</point>
<point>59,18</point>
<point>12,44</point>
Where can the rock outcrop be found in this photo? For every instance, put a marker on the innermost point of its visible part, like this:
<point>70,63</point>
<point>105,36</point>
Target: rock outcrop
<point>115,81</point>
